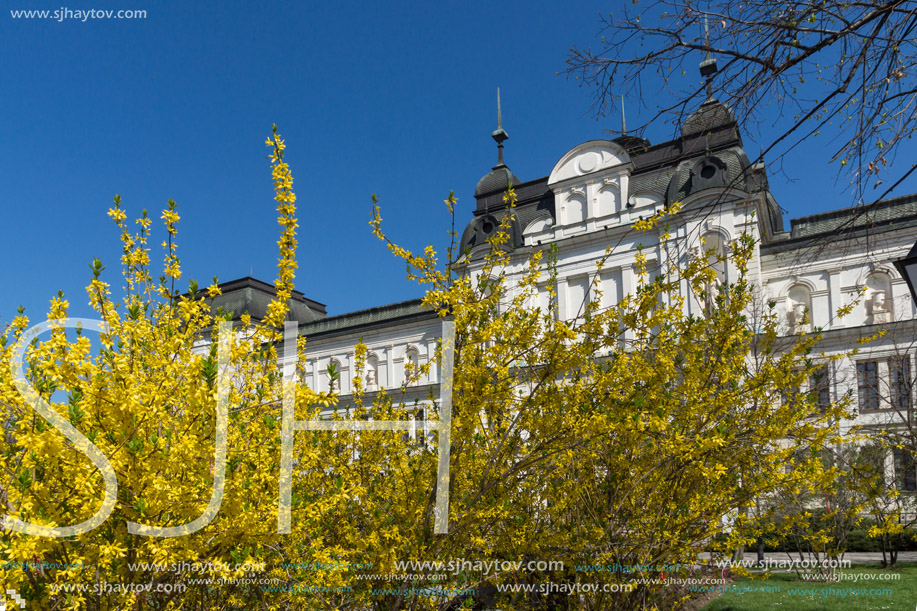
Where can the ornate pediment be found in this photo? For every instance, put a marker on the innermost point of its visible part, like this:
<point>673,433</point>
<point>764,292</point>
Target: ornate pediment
<point>588,158</point>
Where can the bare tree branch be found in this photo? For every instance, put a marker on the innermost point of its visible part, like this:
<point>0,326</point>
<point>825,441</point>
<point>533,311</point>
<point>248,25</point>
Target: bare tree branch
<point>847,67</point>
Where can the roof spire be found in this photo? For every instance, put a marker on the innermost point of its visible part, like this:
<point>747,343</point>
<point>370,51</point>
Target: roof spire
<point>500,176</point>
<point>623,122</point>
<point>499,135</point>
<point>708,66</point>
<point>707,36</point>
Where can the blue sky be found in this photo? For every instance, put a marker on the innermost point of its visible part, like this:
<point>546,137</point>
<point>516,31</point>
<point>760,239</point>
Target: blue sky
<point>391,98</point>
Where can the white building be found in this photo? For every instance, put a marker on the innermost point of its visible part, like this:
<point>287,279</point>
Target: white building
<point>589,202</point>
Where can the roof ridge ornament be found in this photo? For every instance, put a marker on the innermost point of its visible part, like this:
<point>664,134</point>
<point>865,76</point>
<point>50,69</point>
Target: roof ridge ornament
<point>708,67</point>
<point>500,176</point>
<point>499,135</point>
<point>623,121</point>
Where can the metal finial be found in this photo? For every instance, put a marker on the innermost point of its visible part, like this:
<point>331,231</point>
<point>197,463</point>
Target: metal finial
<point>500,134</point>
<point>623,121</point>
<point>706,39</point>
<point>708,66</point>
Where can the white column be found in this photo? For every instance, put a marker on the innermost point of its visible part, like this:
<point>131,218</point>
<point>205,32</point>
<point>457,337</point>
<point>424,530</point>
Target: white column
<point>834,300</point>
<point>434,368</point>
<point>562,299</point>
<point>628,280</point>
<point>392,382</point>
<point>629,287</point>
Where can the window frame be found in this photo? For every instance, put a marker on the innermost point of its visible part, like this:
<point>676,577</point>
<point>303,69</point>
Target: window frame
<point>905,470</point>
<point>868,390</point>
<point>899,382</point>
<point>820,385</point>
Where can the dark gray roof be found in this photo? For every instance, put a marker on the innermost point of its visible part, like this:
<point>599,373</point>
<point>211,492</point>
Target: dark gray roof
<point>481,228</point>
<point>532,212</point>
<point>724,168</point>
<point>526,192</point>
<point>671,153</point>
<point>710,115</point>
<point>871,214</point>
<point>632,144</point>
<point>380,316</point>
<point>891,214</point>
<point>655,168</point>
<point>700,159</point>
<point>253,296</point>
<point>533,200</point>
<point>652,182</point>
<point>496,181</point>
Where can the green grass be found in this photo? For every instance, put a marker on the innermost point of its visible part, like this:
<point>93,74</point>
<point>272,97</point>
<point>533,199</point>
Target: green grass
<point>790,594</point>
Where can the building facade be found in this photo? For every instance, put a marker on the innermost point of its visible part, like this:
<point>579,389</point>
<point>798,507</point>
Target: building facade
<point>589,202</point>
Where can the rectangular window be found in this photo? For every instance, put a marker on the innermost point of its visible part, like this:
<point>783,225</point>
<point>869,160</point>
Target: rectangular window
<point>873,456</point>
<point>905,470</point>
<point>868,385</point>
<point>820,384</point>
<point>415,437</point>
<point>899,372</point>
<point>817,389</point>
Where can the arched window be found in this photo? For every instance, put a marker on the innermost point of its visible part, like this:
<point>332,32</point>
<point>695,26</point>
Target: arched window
<point>714,248</point>
<point>575,208</point>
<point>711,251</point>
<point>609,201</point>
